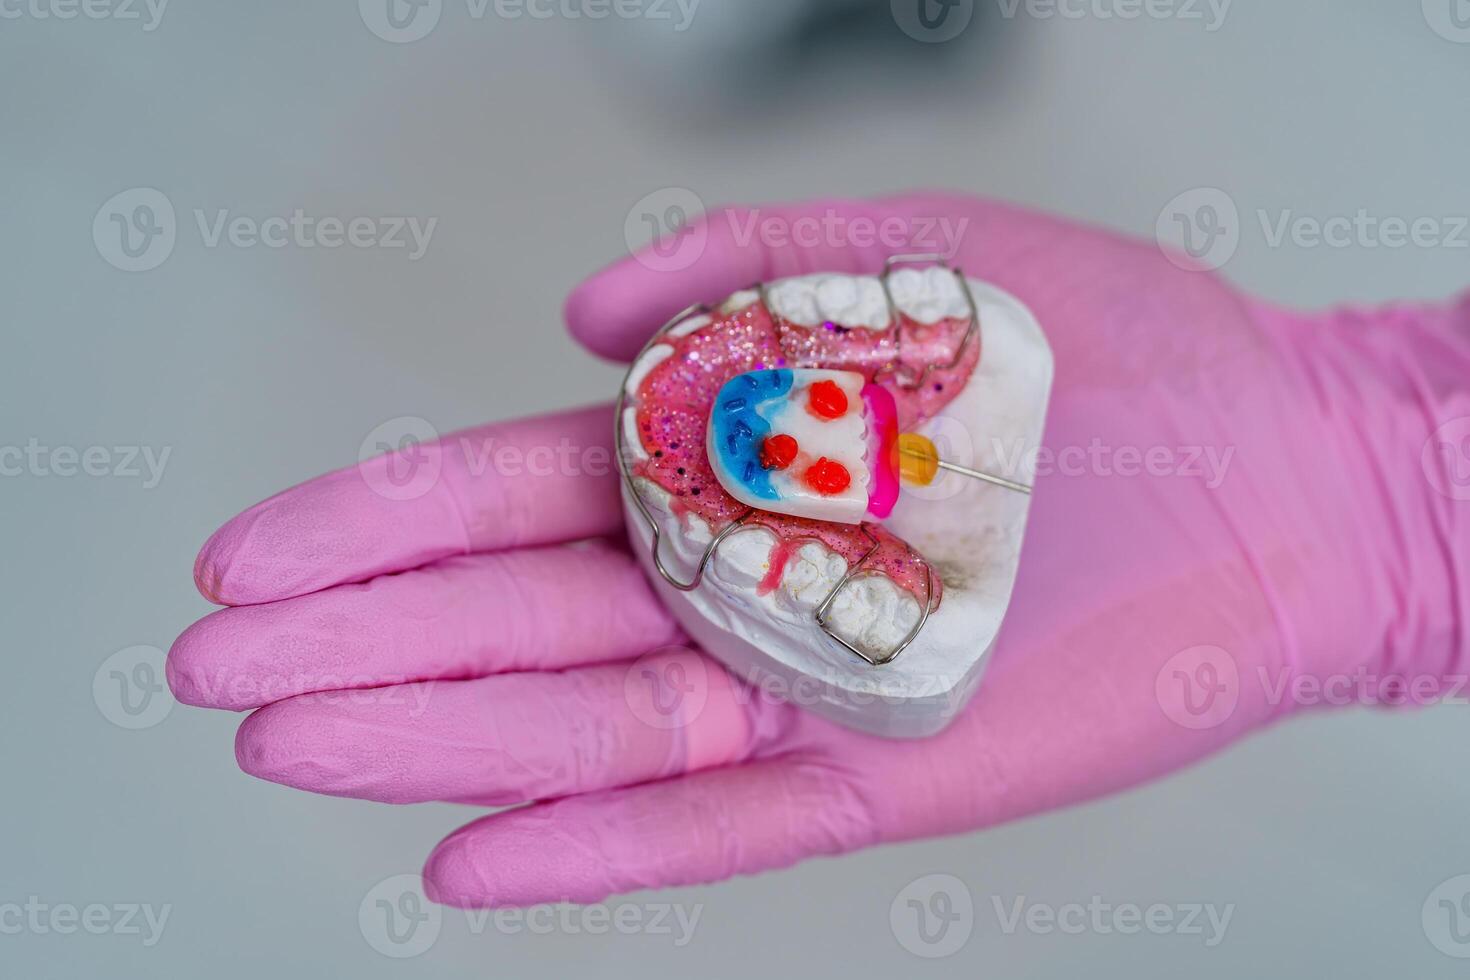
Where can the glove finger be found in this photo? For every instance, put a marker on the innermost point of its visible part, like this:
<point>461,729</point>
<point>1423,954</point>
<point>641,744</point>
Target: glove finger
<point>697,828</point>
<point>613,311</point>
<point>508,738</point>
<point>467,616</point>
<point>531,481</point>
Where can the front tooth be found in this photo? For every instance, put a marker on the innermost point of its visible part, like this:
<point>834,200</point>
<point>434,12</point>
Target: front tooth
<point>696,322</point>
<point>739,301</point>
<point>651,359</point>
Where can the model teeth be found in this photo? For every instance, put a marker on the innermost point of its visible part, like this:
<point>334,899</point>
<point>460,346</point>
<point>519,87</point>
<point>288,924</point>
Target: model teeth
<point>872,613</point>
<point>924,295</point>
<point>762,622</point>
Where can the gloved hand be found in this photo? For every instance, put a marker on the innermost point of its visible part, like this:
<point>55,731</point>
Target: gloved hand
<point>1158,616</point>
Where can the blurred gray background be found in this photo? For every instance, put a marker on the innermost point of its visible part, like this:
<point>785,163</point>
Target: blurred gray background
<point>533,140</point>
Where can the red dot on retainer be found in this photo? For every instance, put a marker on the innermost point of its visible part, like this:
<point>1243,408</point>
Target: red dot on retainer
<point>827,476</point>
<point>777,452</point>
<point>827,400</point>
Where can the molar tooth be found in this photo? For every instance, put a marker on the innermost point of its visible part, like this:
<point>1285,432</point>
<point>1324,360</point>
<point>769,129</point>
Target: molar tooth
<point>873,614</point>
<point>743,558</point>
<point>853,611</point>
<point>927,295</point>
<point>836,297</point>
<point>887,632</point>
<point>811,573</point>
<point>813,300</point>
<point>796,301</point>
<point>697,322</point>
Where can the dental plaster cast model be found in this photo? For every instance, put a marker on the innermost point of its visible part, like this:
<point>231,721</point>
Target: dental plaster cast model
<point>791,528</point>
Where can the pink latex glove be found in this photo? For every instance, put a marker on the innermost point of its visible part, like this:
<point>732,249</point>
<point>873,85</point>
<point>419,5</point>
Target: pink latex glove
<point>1155,621</point>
